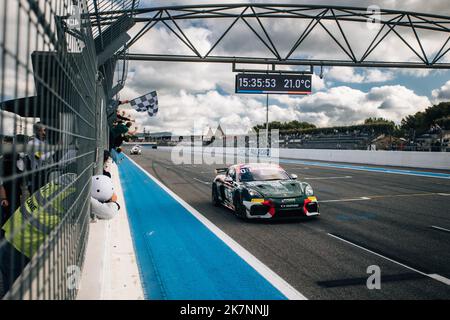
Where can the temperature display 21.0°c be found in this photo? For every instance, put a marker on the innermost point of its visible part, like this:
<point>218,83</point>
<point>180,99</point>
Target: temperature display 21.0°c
<point>273,83</point>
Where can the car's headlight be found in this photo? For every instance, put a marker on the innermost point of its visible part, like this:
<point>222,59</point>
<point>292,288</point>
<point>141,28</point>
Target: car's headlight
<point>254,194</point>
<point>309,190</point>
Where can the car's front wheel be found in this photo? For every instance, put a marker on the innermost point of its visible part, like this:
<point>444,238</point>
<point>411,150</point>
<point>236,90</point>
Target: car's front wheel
<point>214,196</point>
<point>239,209</point>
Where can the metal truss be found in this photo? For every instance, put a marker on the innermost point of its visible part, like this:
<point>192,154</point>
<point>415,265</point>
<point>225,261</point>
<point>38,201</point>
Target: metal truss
<point>392,22</point>
<point>111,38</point>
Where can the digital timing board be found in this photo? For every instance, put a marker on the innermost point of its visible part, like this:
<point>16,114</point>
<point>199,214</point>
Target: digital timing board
<point>273,83</point>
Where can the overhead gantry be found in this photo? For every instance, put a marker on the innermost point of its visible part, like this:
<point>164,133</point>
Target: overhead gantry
<point>413,33</point>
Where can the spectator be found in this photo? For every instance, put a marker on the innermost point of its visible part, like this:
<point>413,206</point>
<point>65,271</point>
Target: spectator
<point>121,116</point>
<point>15,189</point>
<point>103,199</point>
<point>116,155</point>
<point>4,204</point>
<point>40,157</point>
<point>119,132</point>
<point>30,224</point>
<point>3,199</point>
<point>107,159</point>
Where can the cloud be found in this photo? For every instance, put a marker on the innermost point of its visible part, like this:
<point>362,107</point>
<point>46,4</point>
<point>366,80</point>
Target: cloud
<point>173,77</point>
<point>417,73</point>
<point>344,105</point>
<point>376,75</point>
<point>441,94</point>
<point>352,75</point>
<point>181,112</point>
<point>204,93</point>
<point>319,44</point>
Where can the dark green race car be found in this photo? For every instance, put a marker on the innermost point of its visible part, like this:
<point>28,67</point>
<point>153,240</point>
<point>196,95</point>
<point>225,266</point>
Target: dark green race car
<point>263,191</point>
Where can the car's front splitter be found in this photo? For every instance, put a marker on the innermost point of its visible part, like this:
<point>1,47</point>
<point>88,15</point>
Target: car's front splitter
<point>270,209</point>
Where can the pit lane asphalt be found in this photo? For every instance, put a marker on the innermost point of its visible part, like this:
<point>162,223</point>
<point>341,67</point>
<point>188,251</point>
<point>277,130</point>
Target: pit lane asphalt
<point>396,222</point>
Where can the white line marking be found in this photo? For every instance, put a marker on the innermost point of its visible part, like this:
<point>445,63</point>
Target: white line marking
<point>329,178</point>
<point>285,288</point>
<point>384,196</point>
<point>440,278</point>
<point>201,181</point>
<point>432,276</point>
<point>444,194</point>
<point>346,200</point>
<point>440,228</point>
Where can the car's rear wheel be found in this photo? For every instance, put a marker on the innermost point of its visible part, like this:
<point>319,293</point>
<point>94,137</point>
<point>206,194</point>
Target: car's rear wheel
<point>214,196</point>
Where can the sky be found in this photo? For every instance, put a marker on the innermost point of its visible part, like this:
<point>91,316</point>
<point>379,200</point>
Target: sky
<point>200,95</point>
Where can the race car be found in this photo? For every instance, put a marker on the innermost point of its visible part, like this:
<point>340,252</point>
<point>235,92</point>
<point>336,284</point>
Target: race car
<point>263,191</point>
<point>136,150</point>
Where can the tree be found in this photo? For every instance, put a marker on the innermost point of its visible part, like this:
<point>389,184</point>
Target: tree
<point>291,125</point>
<point>423,120</point>
<point>378,121</point>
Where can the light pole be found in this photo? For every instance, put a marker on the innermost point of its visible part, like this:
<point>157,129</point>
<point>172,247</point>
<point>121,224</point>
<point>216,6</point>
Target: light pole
<point>267,121</point>
<point>267,118</point>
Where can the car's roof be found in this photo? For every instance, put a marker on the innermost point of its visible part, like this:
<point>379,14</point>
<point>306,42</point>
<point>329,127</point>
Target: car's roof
<point>258,165</point>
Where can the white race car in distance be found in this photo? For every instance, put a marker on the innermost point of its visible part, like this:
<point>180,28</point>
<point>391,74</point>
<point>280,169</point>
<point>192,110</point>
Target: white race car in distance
<point>136,150</point>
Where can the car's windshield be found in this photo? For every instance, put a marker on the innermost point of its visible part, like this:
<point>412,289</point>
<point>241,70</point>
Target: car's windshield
<point>247,174</point>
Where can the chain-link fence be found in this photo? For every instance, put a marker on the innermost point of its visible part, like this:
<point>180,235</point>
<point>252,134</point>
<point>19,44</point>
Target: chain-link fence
<point>56,82</point>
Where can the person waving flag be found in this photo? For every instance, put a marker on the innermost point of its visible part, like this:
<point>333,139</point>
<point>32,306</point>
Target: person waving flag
<point>147,103</point>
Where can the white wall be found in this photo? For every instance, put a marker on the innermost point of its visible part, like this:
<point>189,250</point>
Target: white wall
<point>429,160</point>
<point>426,160</point>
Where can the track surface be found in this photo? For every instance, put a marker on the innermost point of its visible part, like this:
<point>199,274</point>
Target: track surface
<point>397,222</point>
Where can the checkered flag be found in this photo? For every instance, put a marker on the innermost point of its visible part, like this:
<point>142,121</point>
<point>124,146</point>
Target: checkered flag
<point>147,103</point>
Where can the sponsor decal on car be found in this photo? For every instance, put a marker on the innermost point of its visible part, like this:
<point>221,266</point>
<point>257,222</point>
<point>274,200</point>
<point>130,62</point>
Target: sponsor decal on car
<point>257,200</point>
<point>290,205</point>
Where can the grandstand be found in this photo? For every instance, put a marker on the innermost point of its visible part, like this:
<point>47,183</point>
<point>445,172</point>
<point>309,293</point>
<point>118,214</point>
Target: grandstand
<point>328,141</point>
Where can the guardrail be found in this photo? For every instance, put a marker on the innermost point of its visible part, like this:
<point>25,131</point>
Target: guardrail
<point>411,159</point>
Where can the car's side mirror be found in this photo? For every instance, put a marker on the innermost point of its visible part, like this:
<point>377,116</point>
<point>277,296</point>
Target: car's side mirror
<point>294,176</point>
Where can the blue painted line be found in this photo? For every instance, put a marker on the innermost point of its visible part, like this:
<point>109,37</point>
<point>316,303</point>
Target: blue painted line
<point>371,169</point>
<point>178,257</point>
<point>251,91</point>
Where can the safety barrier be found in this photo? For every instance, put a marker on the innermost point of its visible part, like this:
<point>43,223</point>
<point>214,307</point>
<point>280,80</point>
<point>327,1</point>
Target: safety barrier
<point>426,160</point>
<point>54,98</point>
<point>411,159</point>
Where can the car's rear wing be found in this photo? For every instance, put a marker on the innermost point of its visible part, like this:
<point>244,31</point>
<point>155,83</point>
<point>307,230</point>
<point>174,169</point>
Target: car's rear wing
<point>221,170</point>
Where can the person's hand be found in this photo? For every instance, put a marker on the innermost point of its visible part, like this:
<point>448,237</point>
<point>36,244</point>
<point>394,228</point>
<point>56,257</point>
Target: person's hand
<point>4,203</point>
<point>114,197</point>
